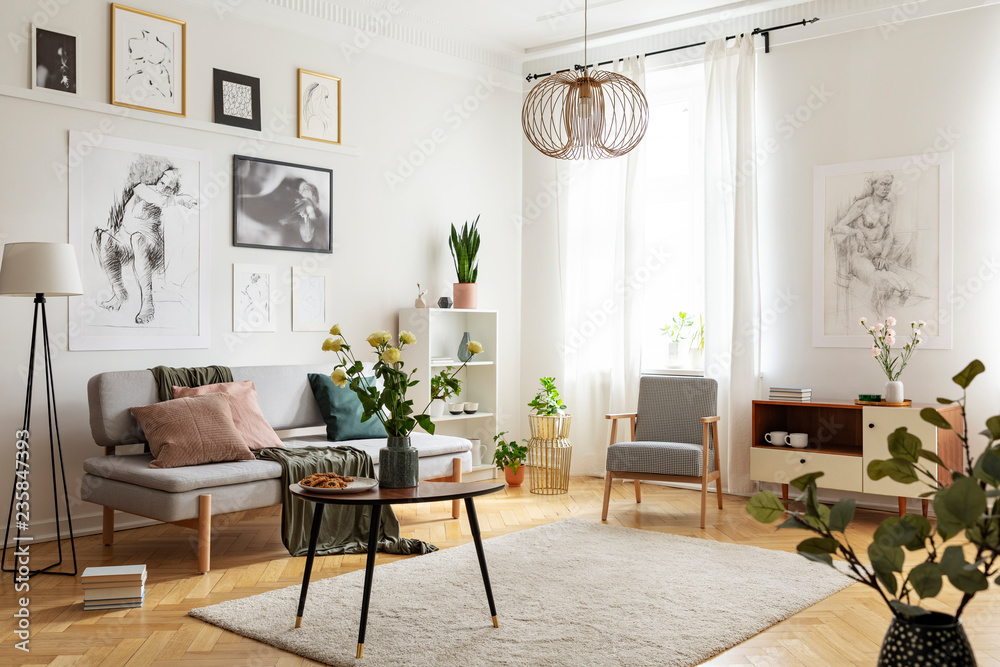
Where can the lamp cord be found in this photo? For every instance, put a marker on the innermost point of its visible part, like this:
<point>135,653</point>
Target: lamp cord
<point>585,37</point>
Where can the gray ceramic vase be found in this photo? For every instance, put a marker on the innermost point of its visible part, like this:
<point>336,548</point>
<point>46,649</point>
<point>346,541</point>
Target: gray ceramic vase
<point>398,464</point>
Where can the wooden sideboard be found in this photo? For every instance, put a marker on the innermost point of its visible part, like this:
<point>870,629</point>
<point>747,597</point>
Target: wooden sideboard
<point>843,439</point>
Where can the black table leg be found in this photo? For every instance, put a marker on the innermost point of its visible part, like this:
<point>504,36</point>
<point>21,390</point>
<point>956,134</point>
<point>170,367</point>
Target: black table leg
<point>313,536</point>
<point>470,508</point>
<point>369,571</point>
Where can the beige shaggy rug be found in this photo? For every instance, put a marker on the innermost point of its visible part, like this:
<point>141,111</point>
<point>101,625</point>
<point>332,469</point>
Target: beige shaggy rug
<point>569,593</point>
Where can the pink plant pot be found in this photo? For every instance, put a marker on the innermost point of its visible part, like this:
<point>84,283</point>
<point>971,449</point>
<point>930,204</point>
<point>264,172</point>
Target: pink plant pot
<point>466,295</point>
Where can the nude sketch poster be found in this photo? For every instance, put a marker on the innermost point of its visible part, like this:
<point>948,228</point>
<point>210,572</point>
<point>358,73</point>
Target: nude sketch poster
<point>139,224</point>
<point>882,246</point>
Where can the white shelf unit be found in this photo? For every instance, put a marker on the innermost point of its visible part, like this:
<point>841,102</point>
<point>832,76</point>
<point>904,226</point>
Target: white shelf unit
<point>439,333</point>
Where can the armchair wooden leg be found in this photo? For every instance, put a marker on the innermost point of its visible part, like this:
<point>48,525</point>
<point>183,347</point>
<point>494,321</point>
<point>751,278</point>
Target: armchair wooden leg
<point>456,476</point>
<point>704,499</point>
<point>718,490</point>
<point>718,465</point>
<point>204,532</point>
<point>638,493</point>
<point>607,495</point>
<point>108,526</point>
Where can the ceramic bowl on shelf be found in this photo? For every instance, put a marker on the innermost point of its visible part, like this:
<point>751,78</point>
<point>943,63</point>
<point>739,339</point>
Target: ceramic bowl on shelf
<point>471,408</point>
<point>456,408</point>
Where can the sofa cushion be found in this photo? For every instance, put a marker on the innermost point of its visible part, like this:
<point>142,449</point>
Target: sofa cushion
<point>247,416</point>
<point>342,411</point>
<point>191,431</point>
<point>134,469</point>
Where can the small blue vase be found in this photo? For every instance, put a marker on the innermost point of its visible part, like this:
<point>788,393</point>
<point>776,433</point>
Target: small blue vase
<point>463,349</point>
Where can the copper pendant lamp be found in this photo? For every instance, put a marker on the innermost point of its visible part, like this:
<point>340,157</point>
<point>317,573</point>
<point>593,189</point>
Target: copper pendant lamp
<point>585,114</point>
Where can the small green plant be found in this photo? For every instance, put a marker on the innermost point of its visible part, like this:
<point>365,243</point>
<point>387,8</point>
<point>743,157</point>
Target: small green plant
<point>546,402</point>
<point>675,330</point>
<point>698,339</point>
<point>444,386</point>
<point>508,453</point>
<point>464,248</point>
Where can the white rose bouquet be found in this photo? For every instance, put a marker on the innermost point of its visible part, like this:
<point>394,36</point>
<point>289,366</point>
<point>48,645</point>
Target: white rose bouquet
<point>390,405</point>
<point>884,337</point>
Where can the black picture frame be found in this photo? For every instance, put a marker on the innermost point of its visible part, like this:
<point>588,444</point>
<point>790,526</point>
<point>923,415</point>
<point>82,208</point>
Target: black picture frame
<point>53,60</point>
<point>282,205</point>
<point>220,79</point>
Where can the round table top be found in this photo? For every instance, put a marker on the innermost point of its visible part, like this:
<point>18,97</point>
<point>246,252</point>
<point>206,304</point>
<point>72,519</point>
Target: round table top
<point>424,492</point>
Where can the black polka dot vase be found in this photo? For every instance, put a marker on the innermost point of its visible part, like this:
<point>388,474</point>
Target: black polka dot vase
<point>933,639</point>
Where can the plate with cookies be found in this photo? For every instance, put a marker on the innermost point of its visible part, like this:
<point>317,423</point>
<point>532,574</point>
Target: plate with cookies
<point>331,482</point>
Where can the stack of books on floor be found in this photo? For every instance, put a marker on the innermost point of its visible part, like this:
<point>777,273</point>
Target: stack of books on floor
<point>115,587</point>
<point>801,394</point>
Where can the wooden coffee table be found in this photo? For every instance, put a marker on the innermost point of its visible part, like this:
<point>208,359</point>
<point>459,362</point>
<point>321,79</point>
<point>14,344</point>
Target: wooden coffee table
<point>425,492</point>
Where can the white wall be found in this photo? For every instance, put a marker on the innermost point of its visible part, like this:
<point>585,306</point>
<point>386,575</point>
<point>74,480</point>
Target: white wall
<point>892,89</point>
<point>386,240</point>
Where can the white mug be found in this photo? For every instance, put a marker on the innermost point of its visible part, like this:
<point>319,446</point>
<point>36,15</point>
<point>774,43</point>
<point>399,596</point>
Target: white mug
<point>776,438</point>
<point>797,440</point>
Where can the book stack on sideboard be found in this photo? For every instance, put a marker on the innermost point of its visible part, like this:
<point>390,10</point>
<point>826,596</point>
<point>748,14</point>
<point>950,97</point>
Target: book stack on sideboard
<point>114,587</point>
<point>796,394</point>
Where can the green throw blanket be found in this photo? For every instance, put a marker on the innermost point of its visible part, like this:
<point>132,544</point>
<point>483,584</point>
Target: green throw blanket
<point>167,378</point>
<point>345,527</point>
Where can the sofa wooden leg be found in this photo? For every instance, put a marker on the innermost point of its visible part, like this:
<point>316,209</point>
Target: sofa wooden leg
<point>108,526</point>
<point>204,532</point>
<point>638,493</point>
<point>607,495</point>
<point>456,476</point>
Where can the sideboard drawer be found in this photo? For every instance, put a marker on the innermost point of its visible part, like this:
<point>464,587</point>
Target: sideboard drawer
<point>784,465</point>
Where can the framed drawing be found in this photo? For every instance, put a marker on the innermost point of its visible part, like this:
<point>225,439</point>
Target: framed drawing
<point>141,231</point>
<point>319,107</point>
<point>282,206</point>
<point>53,60</point>
<point>237,99</point>
<point>311,299</point>
<point>147,61</point>
<point>254,289</point>
<point>882,245</point>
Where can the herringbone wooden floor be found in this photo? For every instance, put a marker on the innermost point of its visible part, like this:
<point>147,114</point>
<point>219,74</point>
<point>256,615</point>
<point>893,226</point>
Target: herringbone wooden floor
<point>248,558</point>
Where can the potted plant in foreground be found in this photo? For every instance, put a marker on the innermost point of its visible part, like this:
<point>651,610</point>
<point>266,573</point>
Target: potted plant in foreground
<point>961,508</point>
<point>548,420</point>
<point>444,385</point>
<point>510,456</point>
<point>464,248</point>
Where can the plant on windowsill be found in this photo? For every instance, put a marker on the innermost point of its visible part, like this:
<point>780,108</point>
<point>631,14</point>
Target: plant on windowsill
<point>697,348</point>
<point>464,248</point>
<point>510,456</point>
<point>675,332</point>
<point>961,507</point>
<point>444,385</point>
<point>549,420</point>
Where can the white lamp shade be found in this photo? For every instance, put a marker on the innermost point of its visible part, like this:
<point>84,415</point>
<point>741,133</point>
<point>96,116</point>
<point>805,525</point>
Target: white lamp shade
<point>28,269</point>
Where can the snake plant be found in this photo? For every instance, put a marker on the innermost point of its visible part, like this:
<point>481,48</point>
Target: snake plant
<point>464,248</point>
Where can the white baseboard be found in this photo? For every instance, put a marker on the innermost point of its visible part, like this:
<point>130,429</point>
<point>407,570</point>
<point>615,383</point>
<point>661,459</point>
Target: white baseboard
<point>88,524</point>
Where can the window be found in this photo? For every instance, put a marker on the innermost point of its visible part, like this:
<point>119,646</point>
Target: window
<point>674,217</point>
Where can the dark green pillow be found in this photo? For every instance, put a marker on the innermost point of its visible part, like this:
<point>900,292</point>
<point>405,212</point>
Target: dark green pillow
<point>342,411</point>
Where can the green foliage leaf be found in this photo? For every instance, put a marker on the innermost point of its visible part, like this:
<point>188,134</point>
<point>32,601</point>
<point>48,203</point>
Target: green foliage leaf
<point>904,445</point>
<point>932,416</point>
<point>932,457</point>
<point>899,470</point>
<point>927,579</point>
<point>818,549</point>
<point>886,561</point>
<point>964,500</point>
<point>894,532</point>
<point>921,531</point>
<point>426,423</point>
<point>987,467</point>
<point>795,522</point>
<point>945,401</point>
<point>809,479</point>
<point>765,507</point>
<point>993,426</point>
<point>907,609</point>
<point>841,514</point>
<point>968,374</point>
<point>963,575</point>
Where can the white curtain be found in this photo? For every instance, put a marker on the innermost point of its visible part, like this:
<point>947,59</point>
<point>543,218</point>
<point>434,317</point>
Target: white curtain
<point>732,292</point>
<point>600,208</point>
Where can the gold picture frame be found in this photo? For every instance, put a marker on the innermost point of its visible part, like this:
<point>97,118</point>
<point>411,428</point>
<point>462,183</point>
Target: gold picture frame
<point>146,72</point>
<point>316,111</point>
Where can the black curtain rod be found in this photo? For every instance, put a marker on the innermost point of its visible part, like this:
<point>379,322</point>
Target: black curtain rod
<point>756,31</point>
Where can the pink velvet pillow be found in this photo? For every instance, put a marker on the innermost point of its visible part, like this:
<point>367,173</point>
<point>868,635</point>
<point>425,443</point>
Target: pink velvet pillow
<point>191,431</point>
<point>247,416</point>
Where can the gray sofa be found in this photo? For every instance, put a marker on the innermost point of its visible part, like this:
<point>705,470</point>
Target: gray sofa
<point>191,495</point>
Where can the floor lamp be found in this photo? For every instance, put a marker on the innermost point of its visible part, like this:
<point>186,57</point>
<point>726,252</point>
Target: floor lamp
<point>38,270</point>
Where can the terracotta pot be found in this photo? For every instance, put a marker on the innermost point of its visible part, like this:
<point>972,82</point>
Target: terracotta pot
<point>514,479</point>
<point>466,295</point>
<point>549,428</point>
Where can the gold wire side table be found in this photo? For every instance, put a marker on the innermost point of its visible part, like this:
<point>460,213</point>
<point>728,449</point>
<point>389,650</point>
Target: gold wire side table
<point>549,454</point>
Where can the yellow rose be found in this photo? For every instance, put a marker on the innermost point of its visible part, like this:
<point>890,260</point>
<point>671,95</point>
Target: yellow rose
<point>339,377</point>
<point>475,347</point>
<point>335,330</point>
<point>336,344</point>
<point>375,339</point>
<point>407,338</point>
<point>328,345</point>
<point>391,355</point>
<point>386,336</point>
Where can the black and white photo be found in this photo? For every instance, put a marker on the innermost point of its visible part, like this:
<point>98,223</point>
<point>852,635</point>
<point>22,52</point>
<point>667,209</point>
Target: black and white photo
<point>140,229</point>
<point>237,99</point>
<point>53,60</point>
<point>147,61</point>
<point>282,205</point>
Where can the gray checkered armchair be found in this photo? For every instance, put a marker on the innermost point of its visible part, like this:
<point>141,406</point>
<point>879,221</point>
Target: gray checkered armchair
<point>674,436</point>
